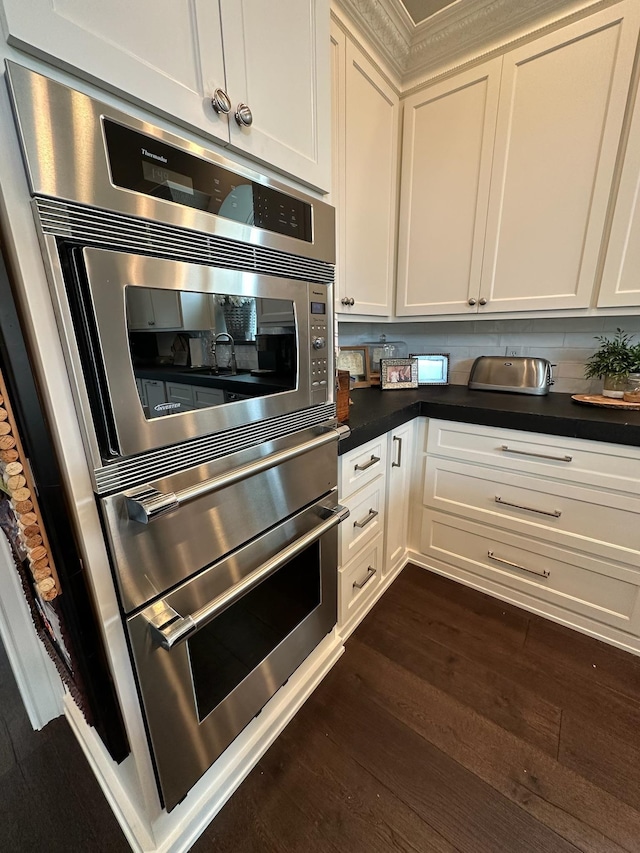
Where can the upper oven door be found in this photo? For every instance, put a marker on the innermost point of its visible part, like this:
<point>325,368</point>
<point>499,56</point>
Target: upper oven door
<point>172,351</point>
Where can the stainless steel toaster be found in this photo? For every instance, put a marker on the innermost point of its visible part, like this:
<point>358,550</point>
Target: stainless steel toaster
<point>520,375</point>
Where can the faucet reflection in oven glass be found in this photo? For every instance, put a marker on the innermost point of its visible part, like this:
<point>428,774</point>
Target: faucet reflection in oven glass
<point>233,366</point>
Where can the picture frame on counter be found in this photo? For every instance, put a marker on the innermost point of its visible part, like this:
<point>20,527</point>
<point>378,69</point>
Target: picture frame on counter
<point>397,374</point>
<point>356,361</point>
<point>433,368</point>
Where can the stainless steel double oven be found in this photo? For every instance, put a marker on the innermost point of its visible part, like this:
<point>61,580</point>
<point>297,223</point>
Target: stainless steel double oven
<point>194,302</point>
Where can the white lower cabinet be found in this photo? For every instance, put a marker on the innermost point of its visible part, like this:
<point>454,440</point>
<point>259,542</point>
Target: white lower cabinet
<point>543,522</point>
<point>374,484</point>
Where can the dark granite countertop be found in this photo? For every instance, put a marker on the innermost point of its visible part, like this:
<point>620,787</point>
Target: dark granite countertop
<point>243,382</point>
<point>375,412</point>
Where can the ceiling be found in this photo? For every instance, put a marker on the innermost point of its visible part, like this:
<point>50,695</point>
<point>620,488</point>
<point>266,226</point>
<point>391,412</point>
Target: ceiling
<point>421,38</point>
<point>420,10</point>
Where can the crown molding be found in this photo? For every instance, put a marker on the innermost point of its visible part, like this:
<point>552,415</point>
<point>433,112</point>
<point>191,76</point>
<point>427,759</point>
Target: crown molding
<point>451,35</point>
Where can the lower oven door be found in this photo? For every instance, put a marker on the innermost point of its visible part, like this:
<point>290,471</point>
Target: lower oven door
<point>208,661</point>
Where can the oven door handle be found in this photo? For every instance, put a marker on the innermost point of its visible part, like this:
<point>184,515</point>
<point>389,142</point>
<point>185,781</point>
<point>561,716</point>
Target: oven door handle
<point>147,503</point>
<point>181,627</point>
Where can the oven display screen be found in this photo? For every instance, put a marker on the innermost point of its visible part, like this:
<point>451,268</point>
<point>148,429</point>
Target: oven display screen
<point>318,308</point>
<point>167,178</point>
<point>148,165</point>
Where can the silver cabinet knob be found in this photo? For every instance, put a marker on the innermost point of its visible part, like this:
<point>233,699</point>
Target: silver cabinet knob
<point>472,301</point>
<point>221,102</point>
<point>243,116</point>
<point>483,301</point>
<point>348,301</point>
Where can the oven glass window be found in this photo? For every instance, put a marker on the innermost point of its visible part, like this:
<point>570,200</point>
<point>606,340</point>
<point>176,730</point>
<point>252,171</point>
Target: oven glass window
<point>198,350</point>
<point>226,650</point>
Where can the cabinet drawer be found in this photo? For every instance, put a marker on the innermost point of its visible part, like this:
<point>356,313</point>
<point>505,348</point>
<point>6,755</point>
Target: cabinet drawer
<point>365,521</point>
<point>560,512</point>
<point>362,465</point>
<point>604,591</point>
<point>358,583</point>
<point>609,466</point>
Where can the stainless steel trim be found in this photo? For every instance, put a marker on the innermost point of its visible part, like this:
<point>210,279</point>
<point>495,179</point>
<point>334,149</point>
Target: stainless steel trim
<point>125,233</point>
<point>506,449</point>
<point>146,505</point>
<point>371,572</point>
<point>398,460</point>
<point>61,132</point>
<point>369,518</point>
<point>128,473</point>
<point>179,629</point>
<point>368,464</point>
<point>492,556</point>
<point>556,513</point>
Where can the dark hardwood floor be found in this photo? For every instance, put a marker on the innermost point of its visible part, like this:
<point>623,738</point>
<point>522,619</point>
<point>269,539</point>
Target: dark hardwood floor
<point>453,722</point>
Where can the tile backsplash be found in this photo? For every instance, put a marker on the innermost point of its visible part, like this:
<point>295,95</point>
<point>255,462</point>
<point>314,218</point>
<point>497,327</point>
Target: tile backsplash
<point>566,341</point>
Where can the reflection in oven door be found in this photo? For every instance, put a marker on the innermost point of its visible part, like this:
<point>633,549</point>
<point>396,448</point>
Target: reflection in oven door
<point>208,661</point>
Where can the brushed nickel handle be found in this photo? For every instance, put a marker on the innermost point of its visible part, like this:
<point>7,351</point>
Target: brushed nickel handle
<point>492,556</point>
<point>221,102</point>
<point>368,464</point>
<point>398,462</point>
<point>180,628</point>
<point>556,513</point>
<point>472,301</point>
<point>243,116</point>
<point>506,449</point>
<point>352,302</point>
<point>483,301</point>
<point>371,572</point>
<point>363,523</point>
<point>146,503</point>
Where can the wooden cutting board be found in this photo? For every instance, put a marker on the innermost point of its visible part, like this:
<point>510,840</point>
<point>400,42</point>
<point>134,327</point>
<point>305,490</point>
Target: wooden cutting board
<point>604,402</point>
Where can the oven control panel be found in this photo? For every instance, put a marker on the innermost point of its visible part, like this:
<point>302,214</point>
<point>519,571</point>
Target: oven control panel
<point>319,340</point>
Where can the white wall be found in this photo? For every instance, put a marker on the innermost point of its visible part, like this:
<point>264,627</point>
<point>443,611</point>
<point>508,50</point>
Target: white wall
<point>566,342</point>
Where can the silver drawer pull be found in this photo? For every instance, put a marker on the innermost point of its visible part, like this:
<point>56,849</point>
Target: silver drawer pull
<point>370,574</point>
<point>556,513</point>
<point>507,449</point>
<point>168,633</point>
<point>367,520</point>
<point>146,503</point>
<point>492,556</point>
<point>368,464</point>
<point>398,462</point>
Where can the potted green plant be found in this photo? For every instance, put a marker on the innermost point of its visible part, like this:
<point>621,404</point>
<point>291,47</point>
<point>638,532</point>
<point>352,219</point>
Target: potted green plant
<point>616,358</point>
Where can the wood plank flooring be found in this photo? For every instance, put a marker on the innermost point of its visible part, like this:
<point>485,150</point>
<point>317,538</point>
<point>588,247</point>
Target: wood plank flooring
<point>453,722</point>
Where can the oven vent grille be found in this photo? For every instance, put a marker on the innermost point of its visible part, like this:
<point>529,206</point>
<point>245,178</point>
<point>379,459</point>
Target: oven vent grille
<point>160,463</point>
<point>129,233</point>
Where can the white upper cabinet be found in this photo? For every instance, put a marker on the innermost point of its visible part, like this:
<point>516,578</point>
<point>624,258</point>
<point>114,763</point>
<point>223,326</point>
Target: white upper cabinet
<point>620,279</point>
<point>446,168</point>
<point>169,55</point>
<point>276,59</point>
<point>365,157</point>
<point>507,170</point>
<point>562,104</point>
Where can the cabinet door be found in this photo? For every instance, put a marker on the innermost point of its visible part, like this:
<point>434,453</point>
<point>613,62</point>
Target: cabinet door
<point>154,394</point>
<point>446,168</point>
<point>178,393</point>
<point>197,313</point>
<point>399,456</point>
<point>152,56</point>
<point>139,308</point>
<point>369,202</point>
<point>277,62</point>
<point>562,103</point>
<point>166,309</point>
<point>620,281</point>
